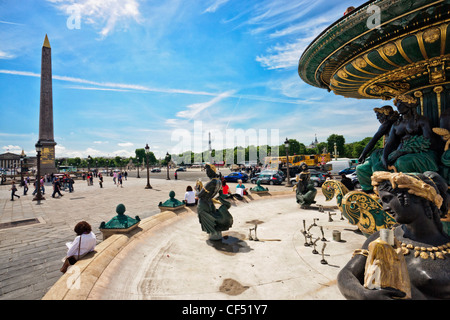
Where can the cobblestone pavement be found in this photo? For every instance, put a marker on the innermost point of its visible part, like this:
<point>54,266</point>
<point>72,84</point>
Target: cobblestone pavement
<point>30,254</point>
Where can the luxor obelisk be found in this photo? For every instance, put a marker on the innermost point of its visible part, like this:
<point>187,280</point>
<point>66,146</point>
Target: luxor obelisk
<point>46,112</point>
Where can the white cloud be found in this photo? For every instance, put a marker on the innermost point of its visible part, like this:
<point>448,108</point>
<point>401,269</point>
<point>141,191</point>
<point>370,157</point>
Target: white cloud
<point>63,152</point>
<point>215,5</point>
<point>104,13</point>
<point>284,56</point>
<point>5,55</point>
<point>12,149</point>
<point>124,153</point>
<point>110,85</point>
<point>196,108</point>
<point>125,144</point>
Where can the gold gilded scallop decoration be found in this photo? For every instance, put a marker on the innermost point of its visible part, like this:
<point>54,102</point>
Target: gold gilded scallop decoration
<point>342,74</point>
<point>334,82</point>
<point>360,62</point>
<point>390,49</point>
<point>431,35</point>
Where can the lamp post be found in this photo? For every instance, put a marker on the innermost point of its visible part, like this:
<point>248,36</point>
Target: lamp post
<point>288,175</point>
<point>89,162</point>
<point>38,196</point>
<point>336,154</point>
<point>147,153</point>
<point>167,163</point>
<point>22,157</point>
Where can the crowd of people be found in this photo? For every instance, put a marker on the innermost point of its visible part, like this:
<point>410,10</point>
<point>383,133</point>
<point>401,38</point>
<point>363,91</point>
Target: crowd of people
<point>191,194</point>
<point>63,182</point>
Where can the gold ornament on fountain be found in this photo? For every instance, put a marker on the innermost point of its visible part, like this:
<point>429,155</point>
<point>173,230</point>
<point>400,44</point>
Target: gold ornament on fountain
<point>414,185</point>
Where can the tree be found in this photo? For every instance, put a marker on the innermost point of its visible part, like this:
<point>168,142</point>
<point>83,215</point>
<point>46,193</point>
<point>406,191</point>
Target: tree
<point>340,142</point>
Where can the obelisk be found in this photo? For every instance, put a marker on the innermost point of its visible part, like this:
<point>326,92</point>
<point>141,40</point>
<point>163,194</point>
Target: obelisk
<point>46,112</point>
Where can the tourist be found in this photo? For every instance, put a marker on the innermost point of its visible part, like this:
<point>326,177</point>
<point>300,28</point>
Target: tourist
<point>100,180</point>
<point>83,243</point>
<point>70,182</point>
<point>13,191</point>
<point>114,177</point>
<point>42,182</point>
<point>36,185</point>
<point>189,197</point>
<point>176,175</point>
<point>226,189</point>
<point>241,189</point>
<point>56,188</point>
<point>119,179</point>
<point>25,187</point>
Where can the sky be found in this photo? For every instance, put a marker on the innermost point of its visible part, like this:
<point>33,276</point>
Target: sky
<point>169,73</point>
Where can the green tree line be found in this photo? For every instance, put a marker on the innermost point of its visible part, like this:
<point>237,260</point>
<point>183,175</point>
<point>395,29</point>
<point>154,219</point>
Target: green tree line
<point>235,155</point>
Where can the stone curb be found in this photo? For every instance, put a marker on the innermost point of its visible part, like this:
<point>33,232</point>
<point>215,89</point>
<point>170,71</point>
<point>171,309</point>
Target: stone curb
<point>78,281</point>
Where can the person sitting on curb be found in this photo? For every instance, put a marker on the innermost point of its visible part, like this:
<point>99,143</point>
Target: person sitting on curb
<point>189,197</point>
<point>84,242</point>
<point>241,190</point>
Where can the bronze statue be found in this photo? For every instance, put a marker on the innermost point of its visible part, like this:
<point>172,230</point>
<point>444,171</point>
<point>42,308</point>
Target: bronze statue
<point>306,192</point>
<point>212,220</point>
<point>411,144</point>
<point>387,117</point>
<point>417,202</point>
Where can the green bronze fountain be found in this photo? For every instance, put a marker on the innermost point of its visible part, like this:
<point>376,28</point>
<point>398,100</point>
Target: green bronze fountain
<point>393,50</point>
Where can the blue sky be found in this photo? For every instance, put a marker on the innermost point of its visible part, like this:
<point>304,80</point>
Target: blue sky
<point>131,72</point>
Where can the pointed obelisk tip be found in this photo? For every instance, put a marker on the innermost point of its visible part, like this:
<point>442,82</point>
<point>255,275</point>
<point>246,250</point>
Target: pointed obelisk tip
<point>46,42</point>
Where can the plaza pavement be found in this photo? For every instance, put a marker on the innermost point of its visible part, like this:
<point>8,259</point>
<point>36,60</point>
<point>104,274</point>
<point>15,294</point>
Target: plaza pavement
<point>180,262</point>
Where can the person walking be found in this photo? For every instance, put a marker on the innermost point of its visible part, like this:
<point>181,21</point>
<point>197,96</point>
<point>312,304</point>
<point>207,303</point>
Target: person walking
<point>100,180</point>
<point>25,187</point>
<point>56,188</point>
<point>114,177</point>
<point>42,181</point>
<point>176,175</point>
<point>119,179</point>
<point>36,185</point>
<point>13,191</point>
<point>70,182</point>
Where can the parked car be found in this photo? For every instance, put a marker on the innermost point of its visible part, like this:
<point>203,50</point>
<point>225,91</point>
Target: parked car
<point>316,177</point>
<point>156,170</point>
<point>347,170</point>
<point>235,176</point>
<point>181,169</point>
<point>279,172</point>
<point>265,178</point>
<point>355,180</point>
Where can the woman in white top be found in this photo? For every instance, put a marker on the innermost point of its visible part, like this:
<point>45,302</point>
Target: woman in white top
<point>189,197</point>
<point>84,242</point>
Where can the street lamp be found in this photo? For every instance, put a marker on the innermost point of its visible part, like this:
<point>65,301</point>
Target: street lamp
<point>89,162</point>
<point>288,175</point>
<point>336,154</point>
<point>22,157</point>
<point>147,153</point>
<point>38,196</point>
<point>167,163</point>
